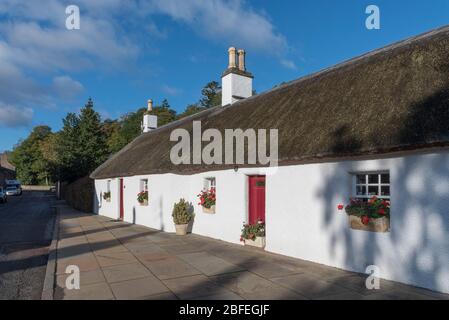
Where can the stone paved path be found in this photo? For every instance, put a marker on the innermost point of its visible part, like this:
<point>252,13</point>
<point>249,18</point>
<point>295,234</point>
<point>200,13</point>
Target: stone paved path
<point>123,261</point>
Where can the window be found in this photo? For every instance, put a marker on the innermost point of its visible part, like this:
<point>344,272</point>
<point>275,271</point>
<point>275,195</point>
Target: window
<point>368,185</point>
<point>108,186</point>
<point>144,185</point>
<point>209,183</point>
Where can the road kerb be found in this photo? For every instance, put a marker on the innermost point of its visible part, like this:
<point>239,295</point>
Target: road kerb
<point>49,282</point>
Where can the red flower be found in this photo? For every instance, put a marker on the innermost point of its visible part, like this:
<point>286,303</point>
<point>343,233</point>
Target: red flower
<point>365,220</point>
<point>381,211</point>
<point>340,207</point>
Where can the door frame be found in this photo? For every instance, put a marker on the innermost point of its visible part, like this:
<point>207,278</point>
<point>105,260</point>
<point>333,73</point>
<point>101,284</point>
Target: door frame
<point>121,205</point>
<point>248,191</point>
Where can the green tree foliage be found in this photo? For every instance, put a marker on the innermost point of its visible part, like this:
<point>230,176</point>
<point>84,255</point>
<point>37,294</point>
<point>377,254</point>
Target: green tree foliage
<point>191,110</point>
<point>28,159</point>
<point>165,114</point>
<point>211,95</point>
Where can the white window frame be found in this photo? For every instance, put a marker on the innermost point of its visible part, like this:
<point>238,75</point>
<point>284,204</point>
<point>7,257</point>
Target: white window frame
<point>379,184</point>
<point>210,182</point>
<point>143,184</point>
<point>108,186</point>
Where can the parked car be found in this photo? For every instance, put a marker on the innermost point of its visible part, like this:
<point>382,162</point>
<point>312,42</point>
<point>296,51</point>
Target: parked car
<point>13,191</point>
<point>3,197</point>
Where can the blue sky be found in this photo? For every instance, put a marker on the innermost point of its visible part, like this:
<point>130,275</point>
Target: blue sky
<point>128,51</point>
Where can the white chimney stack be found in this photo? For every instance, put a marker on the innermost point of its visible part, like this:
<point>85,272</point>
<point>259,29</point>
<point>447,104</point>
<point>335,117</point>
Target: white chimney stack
<point>237,83</point>
<point>149,121</point>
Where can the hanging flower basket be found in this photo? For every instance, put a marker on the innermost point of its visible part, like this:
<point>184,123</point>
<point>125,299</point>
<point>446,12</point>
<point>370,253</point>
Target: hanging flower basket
<point>107,196</point>
<point>142,198</point>
<point>372,215</point>
<point>207,200</point>
<point>253,235</point>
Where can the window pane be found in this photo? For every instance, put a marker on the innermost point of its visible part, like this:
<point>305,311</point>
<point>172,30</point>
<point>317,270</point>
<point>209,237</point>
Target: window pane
<point>373,178</point>
<point>361,190</point>
<point>385,178</point>
<point>373,190</point>
<point>361,179</point>
<point>385,191</point>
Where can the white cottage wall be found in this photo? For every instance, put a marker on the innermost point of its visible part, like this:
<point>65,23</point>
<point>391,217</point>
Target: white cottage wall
<point>302,219</point>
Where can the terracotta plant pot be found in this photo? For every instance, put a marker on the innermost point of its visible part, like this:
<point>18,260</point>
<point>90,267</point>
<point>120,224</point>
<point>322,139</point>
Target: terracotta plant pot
<point>181,229</point>
<point>374,225</point>
<point>144,203</point>
<point>259,242</point>
<point>209,210</point>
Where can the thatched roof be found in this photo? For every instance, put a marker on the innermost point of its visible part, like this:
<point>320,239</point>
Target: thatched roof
<point>392,99</point>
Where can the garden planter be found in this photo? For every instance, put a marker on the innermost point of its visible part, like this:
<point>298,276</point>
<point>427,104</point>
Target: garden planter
<point>181,229</point>
<point>108,199</point>
<point>209,210</point>
<point>259,242</point>
<point>374,225</point>
<point>144,203</point>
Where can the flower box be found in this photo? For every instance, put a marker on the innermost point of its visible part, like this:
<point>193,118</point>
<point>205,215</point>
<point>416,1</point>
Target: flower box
<point>144,202</point>
<point>108,199</point>
<point>259,242</point>
<point>210,210</point>
<point>373,225</point>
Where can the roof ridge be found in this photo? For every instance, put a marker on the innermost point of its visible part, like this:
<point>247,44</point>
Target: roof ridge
<point>395,45</point>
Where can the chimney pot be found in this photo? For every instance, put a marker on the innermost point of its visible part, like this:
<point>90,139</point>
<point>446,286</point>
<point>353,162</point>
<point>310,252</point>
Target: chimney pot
<point>232,58</point>
<point>241,54</point>
<point>150,105</point>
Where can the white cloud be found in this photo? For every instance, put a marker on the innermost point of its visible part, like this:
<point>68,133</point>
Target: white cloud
<point>289,64</point>
<point>170,90</point>
<point>13,117</point>
<point>67,88</point>
<point>230,21</point>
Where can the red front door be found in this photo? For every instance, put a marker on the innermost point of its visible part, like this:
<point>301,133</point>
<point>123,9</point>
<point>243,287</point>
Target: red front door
<point>122,209</point>
<point>256,199</point>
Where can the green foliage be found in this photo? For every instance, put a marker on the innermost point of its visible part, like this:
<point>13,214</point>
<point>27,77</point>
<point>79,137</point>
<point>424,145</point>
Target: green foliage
<point>107,195</point>
<point>142,196</point>
<point>252,231</point>
<point>29,157</point>
<point>211,95</point>
<point>182,212</point>
<point>373,208</point>
<point>191,110</point>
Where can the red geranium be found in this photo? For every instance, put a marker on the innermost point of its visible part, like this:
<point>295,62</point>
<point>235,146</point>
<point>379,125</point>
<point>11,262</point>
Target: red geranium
<point>365,220</point>
<point>340,207</point>
<point>207,198</point>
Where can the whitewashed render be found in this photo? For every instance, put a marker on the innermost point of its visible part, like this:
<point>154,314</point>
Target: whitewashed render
<point>302,219</point>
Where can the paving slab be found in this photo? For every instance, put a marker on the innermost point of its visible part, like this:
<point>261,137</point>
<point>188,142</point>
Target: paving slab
<point>251,286</point>
<point>124,272</point>
<point>98,291</point>
<point>194,287</point>
<point>124,261</point>
<point>142,288</point>
<point>170,268</point>
<point>209,264</point>
<point>309,286</point>
<point>115,258</point>
<point>86,278</point>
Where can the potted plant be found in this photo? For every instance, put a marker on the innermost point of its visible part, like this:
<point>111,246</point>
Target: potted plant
<point>142,198</point>
<point>254,234</point>
<point>107,196</point>
<point>182,215</point>
<point>207,200</point>
<point>372,215</point>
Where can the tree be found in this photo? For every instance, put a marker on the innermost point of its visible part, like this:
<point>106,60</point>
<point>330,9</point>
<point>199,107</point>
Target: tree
<point>191,110</point>
<point>27,156</point>
<point>68,148</point>
<point>92,139</point>
<point>165,114</point>
<point>211,95</point>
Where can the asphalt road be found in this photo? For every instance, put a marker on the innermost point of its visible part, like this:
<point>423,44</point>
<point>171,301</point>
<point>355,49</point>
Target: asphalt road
<point>26,226</point>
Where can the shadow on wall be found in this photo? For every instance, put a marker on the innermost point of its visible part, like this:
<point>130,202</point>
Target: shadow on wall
<point>417,248</point>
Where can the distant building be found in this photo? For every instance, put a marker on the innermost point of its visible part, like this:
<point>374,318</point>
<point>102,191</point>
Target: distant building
<point>7,170</point>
